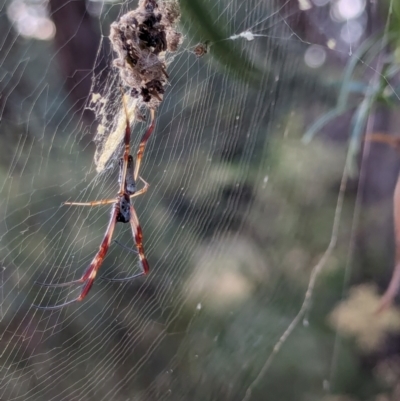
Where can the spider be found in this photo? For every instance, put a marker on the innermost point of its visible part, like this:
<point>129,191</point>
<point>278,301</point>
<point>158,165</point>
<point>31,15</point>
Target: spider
<point>201,49</point>
<point>121,212</point>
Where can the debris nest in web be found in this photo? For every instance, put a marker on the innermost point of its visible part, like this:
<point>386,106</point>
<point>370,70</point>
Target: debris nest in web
<point>141,39</point>
<point>144,40</point>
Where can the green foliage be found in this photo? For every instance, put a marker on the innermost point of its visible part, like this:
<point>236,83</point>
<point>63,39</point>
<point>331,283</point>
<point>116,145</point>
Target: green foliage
<point>364,88</point>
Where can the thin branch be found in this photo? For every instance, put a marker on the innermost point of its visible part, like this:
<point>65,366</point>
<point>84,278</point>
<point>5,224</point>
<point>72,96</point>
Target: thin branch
<point>311,285</point>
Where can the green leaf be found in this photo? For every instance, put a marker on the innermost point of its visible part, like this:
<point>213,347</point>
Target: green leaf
<point>321,122</point>
<point>367,45</point>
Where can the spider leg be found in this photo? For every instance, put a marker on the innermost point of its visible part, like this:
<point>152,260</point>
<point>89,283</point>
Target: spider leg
<point>141,191</point>
<point>91,271</point>
<point>142,144</point>
<point>127,139</point>
<point>138,236</point>
<point>94,203</point>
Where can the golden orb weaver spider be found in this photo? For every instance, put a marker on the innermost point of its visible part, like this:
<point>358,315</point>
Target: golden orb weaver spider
<point>121,212</point>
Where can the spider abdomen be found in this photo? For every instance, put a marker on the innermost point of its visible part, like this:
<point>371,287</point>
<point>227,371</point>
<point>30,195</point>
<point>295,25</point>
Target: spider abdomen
<point>124,212</point>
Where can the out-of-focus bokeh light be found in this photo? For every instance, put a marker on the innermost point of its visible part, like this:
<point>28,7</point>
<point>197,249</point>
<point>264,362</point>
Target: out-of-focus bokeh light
<point>315,56</point>
<point>343,10</point>
<point>304,5</point>
<point>30,18</point>
<point>331,43</point>
<point>351,32</point>
<point>351,15</point>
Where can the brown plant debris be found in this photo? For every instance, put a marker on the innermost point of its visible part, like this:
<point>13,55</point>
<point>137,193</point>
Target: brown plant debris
<point>356,317</point>
<point>140,39</point>
<point>379,137</point>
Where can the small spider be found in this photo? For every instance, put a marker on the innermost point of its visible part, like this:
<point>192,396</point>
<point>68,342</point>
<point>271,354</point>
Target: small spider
<point>122,212</point>
<point>201,49</point>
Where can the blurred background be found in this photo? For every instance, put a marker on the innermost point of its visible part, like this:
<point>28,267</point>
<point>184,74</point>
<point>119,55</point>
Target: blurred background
<point>252,143</point>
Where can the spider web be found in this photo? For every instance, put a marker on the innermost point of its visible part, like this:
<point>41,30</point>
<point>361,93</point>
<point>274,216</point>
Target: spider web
<point>238,213</point>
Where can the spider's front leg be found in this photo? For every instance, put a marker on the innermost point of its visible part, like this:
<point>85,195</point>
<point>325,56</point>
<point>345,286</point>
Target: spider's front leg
<point>143,142</point>
<point>94,203</point>
<point>138,236</point>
